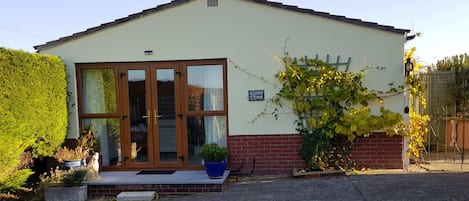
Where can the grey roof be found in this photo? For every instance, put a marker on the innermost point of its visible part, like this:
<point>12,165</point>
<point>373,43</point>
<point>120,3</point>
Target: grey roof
<point>174,3</point>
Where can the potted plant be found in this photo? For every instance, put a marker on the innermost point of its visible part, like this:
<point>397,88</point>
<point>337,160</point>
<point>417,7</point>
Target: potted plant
<point>214,160</point>
<point>64,185</point>
<point>87,145</point>
<point>71,158</point>
<point>89,141</point>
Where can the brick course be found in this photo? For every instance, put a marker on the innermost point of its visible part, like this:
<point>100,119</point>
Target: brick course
<point>272,154</point>
<point>99,191</point>
<point>378,151</point>
<point>279,154</point>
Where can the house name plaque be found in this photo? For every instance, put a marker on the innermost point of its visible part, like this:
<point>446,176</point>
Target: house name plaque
<point>256,95</point>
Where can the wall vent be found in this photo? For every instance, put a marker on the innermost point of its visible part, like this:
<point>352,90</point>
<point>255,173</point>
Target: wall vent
<point>212,3</point>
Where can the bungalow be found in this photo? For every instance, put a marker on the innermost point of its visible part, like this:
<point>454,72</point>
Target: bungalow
<point>158,84</point>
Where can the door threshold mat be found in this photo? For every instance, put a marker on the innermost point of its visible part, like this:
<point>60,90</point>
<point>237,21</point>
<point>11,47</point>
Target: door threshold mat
<point>156,172</point>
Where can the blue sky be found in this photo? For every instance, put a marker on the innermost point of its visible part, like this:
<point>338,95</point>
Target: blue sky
<point>444,24</point>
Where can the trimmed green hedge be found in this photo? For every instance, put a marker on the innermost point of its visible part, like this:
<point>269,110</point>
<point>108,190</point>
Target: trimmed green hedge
<point>33,108</point>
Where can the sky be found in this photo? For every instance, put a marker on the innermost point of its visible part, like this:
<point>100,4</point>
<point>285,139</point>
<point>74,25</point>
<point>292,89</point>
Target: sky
<point>444,25</point>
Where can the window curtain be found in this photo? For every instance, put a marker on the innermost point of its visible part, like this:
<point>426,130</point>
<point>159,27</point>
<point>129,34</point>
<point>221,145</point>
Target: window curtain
<point>215,126</point>
<point>108,133</point>
<point>93,91</point>
<point>98,91</point>
<point>98,97</point>
<point>93,102</point>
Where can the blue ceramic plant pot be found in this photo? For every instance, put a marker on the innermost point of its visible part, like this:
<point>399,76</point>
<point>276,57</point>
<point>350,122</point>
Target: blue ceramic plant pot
<point>215,170</point>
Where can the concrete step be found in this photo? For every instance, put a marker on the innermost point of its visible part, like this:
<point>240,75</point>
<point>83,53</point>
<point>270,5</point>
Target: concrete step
<point>137,196</point>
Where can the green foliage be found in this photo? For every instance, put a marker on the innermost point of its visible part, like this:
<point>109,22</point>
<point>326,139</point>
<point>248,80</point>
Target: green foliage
<point>213,153</point>
<point>330,105</point>
<point>453,62</point>
<point>75,177</point>
<point>58,177</point>
<point>33,109</point>
<point>15,180</point>
<point>417,127</point>
<point>461,93</point>
<point>460,65</point>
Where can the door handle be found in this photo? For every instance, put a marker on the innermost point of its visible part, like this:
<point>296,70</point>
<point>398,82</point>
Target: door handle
<point>146,116</point>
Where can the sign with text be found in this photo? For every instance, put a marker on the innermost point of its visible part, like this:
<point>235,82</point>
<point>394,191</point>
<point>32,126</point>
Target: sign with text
<point>256,95</point>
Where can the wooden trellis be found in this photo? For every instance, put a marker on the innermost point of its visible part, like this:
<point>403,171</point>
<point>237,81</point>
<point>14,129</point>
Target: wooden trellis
<point>337,64</point>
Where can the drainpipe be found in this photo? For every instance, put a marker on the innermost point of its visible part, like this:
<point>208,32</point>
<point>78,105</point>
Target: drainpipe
<point>405,147</point>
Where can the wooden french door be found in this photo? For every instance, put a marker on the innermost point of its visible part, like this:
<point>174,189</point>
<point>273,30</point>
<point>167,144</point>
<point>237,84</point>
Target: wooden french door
<point>152,136</point>
<point>154,115</point>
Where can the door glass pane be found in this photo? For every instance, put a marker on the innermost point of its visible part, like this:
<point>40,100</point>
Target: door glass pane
<point>205,88</point>
<point>166,117</point>
<point>204,130</point>
<point>107,131</point>
<point>98,91</point>
<point>139,115</point>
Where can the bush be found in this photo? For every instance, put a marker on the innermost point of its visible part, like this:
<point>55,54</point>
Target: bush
<point>33,110</point>
<point>73,177</point>
<point>14,180</point>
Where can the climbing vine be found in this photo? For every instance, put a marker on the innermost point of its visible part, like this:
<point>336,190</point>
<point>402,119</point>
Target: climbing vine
<point>417,126</point>
<point>331,109</point>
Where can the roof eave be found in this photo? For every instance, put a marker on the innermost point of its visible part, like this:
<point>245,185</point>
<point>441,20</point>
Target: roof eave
<point>333,17</point>
<point>100,27</point>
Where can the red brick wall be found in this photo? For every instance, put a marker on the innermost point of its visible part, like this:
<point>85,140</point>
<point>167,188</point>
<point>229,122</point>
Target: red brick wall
<point>378,151</point>
<point>274,154</point>
<point>279,154</point>
<point>100,191</point>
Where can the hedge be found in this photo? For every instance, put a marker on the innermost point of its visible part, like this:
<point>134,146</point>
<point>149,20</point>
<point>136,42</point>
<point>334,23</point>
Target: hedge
<point>33,109</point>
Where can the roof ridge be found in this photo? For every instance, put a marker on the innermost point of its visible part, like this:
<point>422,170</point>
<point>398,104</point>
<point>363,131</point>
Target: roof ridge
<point>174,3</point>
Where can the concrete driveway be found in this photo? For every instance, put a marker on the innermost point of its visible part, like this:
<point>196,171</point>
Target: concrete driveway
<point>420,186</point>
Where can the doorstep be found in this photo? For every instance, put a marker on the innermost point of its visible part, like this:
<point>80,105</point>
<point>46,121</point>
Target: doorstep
<point>180,182</point>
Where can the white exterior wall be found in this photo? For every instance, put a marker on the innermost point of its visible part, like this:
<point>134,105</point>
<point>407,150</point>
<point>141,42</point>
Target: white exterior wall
<point>251,35</point>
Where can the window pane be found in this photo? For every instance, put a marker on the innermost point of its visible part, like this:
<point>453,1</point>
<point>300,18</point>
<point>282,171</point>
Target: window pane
<point>108,133</point>
<point>204,130</point>
<point>138,116</point>
<point>166,115</point>
<point>205,88</point>
<point>98,91</point>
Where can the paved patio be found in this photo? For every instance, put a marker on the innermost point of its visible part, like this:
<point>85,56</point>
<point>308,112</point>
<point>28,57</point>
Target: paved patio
<point>178,177</point>
<point>179,182</point>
